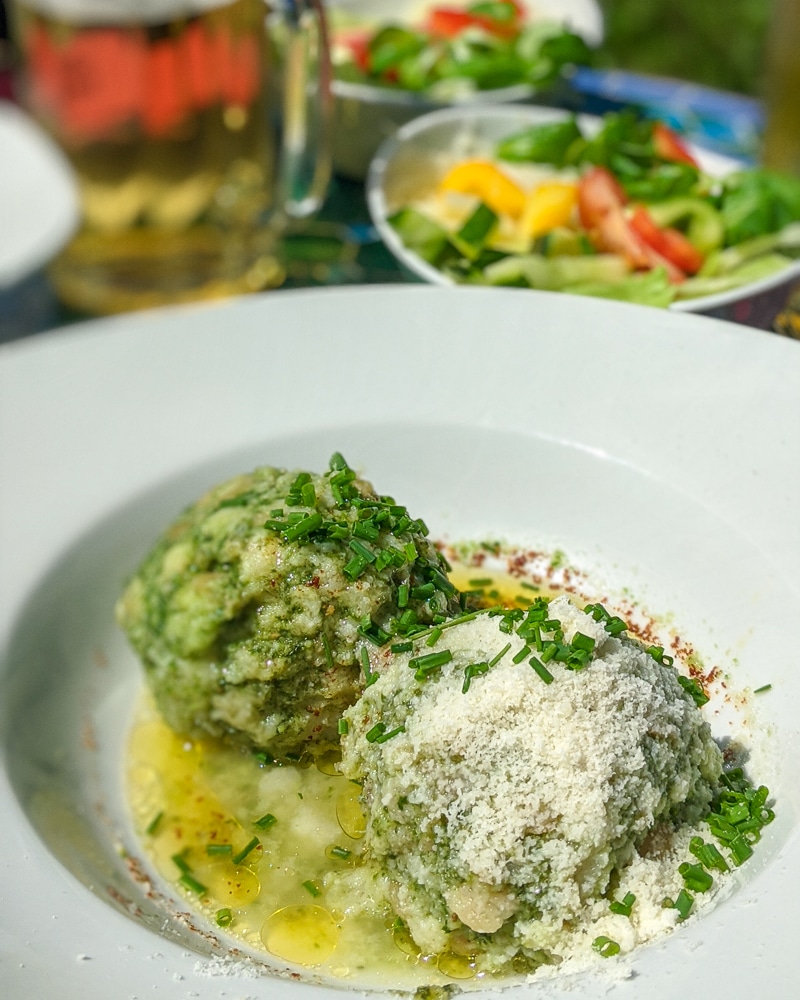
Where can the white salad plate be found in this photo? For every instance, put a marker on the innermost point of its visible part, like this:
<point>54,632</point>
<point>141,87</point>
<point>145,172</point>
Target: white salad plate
<point>410,163</point>
<point>659,451</point>
<point>38,196</point>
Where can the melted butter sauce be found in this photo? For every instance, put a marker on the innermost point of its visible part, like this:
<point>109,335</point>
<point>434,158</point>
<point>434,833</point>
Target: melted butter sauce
<point>261,849</point>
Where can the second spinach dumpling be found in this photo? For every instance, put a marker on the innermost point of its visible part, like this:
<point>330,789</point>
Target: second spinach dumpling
<point>249,612</point>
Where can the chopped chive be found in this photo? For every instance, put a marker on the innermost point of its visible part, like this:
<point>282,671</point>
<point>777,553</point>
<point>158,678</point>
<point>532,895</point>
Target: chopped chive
<point>361,550</point>
<point>312,888</point>
<point>181,862</point>
<point>266,821</point>
<point>383,737</point>
<point>740,850</point>
<point>541,670</point>
<point>224,917</point>
<point>484,581</point>
<point>154,823</point>
<point>695,877</point>
<point>762,689</point>
<point>473,670</point>
<point>520,655</point>
<point>605,946</point>
<point>402,595</point>
<point>529,586</point>
<point>377,730</point>
<point>343,727</point>
<point>549,651</point>
<point>369,676</point>
<point>499,656</point>
<point>583,642</point>
<point>623,906</point>
<point>247,849</point>
<point>341,853</point>
<point>217,849</point>
<point>304,527</point>
<point>657,652</point>
<point>707,854</point>
<point>355,568</point>
<point>692,687</point>
<point>190,882</point>
<point>374,634</point>
<point>683,904</point>
<point>402,647</point>
<point>615,626</point>
<point>434,637</point>
<point>423,665</point>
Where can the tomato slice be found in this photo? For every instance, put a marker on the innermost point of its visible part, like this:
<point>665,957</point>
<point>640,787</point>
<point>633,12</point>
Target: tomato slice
<point>670,243</point>
<point>448,22</point>
<point>601,204</point>
<point>669,146</point>
<point>357,44</point>
<point>599,193</point>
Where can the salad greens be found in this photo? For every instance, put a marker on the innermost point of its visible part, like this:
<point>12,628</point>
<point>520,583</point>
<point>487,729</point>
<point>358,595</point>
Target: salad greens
<point>483,46</point>
<point>647,223</point>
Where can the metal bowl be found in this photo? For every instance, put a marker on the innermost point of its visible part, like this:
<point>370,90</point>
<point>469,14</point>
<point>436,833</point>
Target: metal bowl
<point>365,115</point>
<point>413,160</point>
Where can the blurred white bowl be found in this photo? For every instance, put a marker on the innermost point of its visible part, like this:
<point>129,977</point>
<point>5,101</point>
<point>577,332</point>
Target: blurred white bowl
<point>413,160</point>
<point>366,114</point>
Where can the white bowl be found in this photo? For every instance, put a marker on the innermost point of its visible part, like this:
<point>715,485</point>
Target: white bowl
<point>366,114</point>
<point>631,472</point>
<point>415,158</point>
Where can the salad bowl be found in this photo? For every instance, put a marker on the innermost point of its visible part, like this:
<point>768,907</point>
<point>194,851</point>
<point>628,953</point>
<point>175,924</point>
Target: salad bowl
<point>410,166</point>
<point>368,110</point>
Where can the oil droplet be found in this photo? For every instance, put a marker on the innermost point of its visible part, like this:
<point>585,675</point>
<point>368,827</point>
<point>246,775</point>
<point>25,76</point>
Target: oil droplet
<point>155,741</point>
<point>349,813</point>
<point>231,885</point>
<point>304,935</point>
<point>328,763</point>
<point>403,940</point>
<point>456,966</point>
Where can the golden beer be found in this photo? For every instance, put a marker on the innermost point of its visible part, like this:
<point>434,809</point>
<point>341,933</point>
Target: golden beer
<point>162,110</point>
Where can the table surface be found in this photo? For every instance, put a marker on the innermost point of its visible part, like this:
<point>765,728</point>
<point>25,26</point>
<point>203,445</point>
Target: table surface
<point>340,246</point>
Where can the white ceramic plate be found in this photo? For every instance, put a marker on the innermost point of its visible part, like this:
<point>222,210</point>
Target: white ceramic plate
<point>413,160</point>
<point>38,196</point>
<point>660,451</point>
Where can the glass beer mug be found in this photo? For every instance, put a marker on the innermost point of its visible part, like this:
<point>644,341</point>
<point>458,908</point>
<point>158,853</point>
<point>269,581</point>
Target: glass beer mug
<point>186,165</point>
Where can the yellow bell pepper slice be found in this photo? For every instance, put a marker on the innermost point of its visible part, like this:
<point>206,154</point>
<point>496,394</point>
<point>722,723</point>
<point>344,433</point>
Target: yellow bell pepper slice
<point>485,181</point>
<point>549,205</point>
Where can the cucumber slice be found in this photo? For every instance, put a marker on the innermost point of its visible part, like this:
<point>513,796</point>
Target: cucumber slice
<point>750,270</point>
<point>472,236</point>
<point>420,234</point>
<point>563,242</point>
<point>699,220</point>
<point>555,273</point>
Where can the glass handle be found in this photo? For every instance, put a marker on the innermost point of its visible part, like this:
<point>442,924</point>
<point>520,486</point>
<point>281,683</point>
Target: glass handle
<point>304,162</point>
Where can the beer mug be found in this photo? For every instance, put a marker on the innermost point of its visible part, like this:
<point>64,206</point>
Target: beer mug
<point>187,165</point>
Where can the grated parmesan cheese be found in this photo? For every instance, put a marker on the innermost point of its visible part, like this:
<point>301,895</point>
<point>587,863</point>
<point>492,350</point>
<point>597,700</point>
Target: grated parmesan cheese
<point>506,817</point>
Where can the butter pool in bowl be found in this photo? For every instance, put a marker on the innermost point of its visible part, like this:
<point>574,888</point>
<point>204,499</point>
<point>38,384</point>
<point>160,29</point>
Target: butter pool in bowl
<point>690,230</point>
